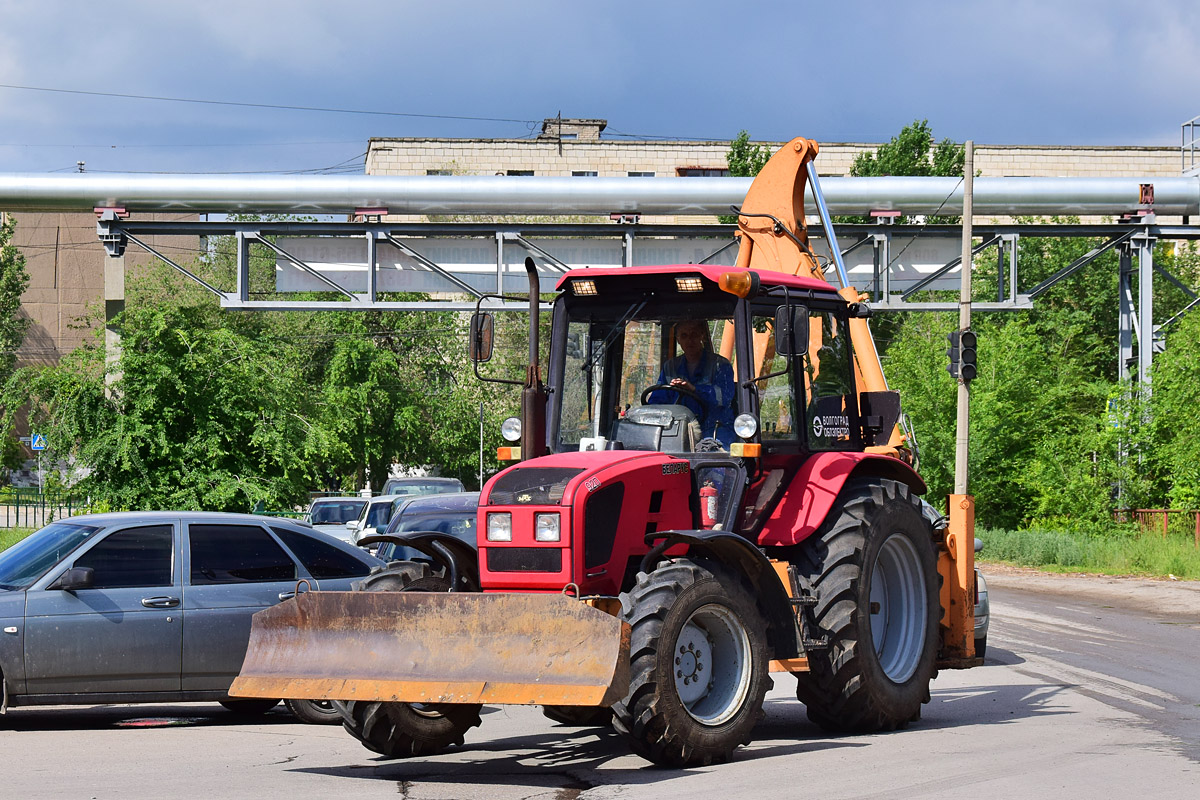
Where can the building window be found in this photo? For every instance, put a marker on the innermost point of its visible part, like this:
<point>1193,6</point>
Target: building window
<point>583,173</point>
<point>635,174</point>
<point>568,136</point>
<point>520,172</point>
<point>437,172</point>
<point>702,172</point>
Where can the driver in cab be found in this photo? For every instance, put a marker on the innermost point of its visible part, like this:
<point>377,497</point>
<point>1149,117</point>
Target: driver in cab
<point>704,381</point>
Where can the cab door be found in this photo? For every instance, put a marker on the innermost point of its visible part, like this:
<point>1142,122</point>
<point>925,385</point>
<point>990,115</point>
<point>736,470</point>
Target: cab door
<point>124,634</point>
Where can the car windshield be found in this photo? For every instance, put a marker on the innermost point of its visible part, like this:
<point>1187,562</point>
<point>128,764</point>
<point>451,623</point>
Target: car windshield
<point>459,524</point>
<point>424,487</point>
<point>28,559</point>
<point>378,515</point>
<point>336,513</point>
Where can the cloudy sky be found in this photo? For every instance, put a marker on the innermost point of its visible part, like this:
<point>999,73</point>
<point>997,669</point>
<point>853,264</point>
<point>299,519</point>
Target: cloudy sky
<point>1017,72</point>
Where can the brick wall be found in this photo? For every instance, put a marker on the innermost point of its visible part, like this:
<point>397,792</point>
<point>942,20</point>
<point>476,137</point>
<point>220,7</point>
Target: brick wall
<point>617,159</point>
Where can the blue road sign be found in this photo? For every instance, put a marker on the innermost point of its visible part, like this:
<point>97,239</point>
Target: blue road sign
<point>37,442</point>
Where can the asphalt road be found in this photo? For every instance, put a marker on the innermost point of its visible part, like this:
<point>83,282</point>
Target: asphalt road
<point>1083,695</point>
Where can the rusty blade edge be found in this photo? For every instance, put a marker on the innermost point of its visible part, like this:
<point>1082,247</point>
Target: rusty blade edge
<point>428,691</point>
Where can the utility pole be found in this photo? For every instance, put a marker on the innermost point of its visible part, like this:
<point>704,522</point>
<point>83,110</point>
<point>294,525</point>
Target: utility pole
<point>956,562</point>
<point>961,452</point>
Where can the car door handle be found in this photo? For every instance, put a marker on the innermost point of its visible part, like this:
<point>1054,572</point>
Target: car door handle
<point>160,602</point>
<point>286,595</point>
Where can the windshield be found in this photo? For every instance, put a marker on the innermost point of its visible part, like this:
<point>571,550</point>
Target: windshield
<point>457,524</point>
<point>378,515</point>
<point>661,379</point>
<point>336,512</point>
<point>30,558</point>
<point>424,487</point>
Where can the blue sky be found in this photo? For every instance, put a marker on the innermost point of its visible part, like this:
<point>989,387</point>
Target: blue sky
<point>1019,72</point>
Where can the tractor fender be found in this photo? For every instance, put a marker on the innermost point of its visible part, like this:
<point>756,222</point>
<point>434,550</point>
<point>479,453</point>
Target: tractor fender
<point>459,559</point>
<point>815,488</point>
<point>742,556</point>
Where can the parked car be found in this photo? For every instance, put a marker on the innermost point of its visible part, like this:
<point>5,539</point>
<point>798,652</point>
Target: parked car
<point>330,515</point>
<point>983,611</point>
<point>153,607</point>
<point>443,513</point>
<point>375,516</point>
<point>412,486</point>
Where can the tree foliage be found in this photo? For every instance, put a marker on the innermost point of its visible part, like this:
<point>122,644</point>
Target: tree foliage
<point>745,160</point>
<point>14,279</point>
<point>219,410</point>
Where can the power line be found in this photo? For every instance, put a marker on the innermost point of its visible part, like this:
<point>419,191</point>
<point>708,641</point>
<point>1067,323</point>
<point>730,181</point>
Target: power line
<point>273,106</point>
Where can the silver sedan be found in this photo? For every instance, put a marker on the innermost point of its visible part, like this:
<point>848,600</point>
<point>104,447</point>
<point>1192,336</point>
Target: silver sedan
<point>140,607</point>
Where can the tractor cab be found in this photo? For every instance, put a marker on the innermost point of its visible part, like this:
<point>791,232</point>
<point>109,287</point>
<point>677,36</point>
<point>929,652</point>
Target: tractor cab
<point>699,359</point>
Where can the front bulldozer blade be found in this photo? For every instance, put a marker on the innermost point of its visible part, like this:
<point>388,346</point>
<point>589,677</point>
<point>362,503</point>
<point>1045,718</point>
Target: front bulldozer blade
<point>441,647</point>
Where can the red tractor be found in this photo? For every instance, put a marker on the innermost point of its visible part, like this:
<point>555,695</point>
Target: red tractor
<point>712,485</point>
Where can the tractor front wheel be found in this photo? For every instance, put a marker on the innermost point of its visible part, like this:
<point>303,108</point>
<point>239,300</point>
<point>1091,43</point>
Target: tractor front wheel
<point>873,571</point>
<point>403,730</point>
<point>698,665</point>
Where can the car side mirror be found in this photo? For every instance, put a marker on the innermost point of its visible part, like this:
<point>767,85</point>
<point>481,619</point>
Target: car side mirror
<point>352,525</point>
<point>75,578</point>
<point>479,346</point>
<point>791,330</point>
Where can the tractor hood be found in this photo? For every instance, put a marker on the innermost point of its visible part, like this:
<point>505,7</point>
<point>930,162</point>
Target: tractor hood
<point>562,478</point>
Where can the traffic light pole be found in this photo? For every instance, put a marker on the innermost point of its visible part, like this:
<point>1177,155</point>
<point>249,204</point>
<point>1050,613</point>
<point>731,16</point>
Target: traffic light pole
<point>956,562</point>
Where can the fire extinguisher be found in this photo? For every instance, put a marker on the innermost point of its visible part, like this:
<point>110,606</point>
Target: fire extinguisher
<point>708,505</point>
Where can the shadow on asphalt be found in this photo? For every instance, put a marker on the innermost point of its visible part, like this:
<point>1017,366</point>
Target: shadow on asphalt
<point>92,718</point>
<point>567,759</point>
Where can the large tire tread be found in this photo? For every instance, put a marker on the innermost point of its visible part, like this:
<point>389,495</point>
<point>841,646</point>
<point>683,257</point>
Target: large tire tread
<point>845,690</point>
<point>652,717</point>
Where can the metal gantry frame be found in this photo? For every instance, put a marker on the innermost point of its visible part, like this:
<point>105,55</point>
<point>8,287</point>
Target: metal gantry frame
<point>1134,239</point>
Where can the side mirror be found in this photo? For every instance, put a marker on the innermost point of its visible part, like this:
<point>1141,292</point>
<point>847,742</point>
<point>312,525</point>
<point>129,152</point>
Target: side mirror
<point>75,578</point>
<point>352,525</point>
<point>791,330</point>
<point>479,346</point>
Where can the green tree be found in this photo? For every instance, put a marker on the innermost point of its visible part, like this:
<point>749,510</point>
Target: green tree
<point>745,160</point>
<point>13,281</point>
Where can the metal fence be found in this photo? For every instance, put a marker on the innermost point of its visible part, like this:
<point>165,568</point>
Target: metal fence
<point>30,508</point>
<point>1160,520</point>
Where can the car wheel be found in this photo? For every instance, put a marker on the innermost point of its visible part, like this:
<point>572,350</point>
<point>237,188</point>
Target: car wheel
<point>981,646</point>
<point>255,707</point>
<point>314,712</point>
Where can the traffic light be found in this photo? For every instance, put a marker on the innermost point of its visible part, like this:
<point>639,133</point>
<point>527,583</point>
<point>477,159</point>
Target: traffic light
<point>962,355</point>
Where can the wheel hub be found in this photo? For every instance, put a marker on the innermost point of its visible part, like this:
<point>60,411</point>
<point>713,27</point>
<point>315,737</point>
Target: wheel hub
<point>711,664</point>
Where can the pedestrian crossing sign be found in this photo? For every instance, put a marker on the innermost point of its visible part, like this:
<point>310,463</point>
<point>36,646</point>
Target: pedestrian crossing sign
<point>38,442</point>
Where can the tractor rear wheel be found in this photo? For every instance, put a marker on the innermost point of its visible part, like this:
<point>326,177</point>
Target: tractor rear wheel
<point>873,570</point>
<point>698,665</point>
<point>402,730</point>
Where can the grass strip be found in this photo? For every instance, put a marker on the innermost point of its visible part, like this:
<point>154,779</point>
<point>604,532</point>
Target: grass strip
<point>1113,553</point>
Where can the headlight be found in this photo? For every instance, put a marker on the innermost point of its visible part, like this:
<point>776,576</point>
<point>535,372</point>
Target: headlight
<point>745,425</point>
<point>546,528</point>
<point>510,429</point>
<point>499,527</point>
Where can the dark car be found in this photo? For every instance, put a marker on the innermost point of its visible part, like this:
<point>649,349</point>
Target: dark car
<point>417,486</point>
<point>139,607</point>
<point>442,513</point>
